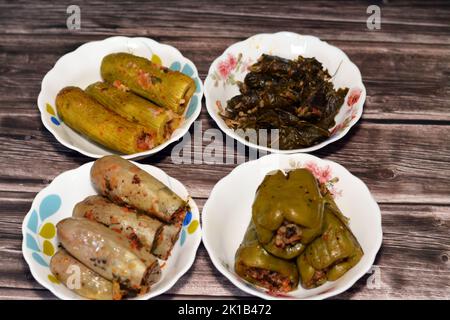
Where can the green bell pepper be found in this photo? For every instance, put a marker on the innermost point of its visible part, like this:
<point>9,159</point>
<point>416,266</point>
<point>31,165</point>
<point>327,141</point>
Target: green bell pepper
<point>254,264</point>
<point>331,255</point>
<point>288,212</point>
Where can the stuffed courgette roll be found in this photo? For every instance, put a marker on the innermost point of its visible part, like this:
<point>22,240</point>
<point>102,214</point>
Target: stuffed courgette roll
<point>331,255</point>
<point>88,117</point>
<point>166,88</point>
<point>134,108</point>
<point>288,212</point>
<point>254,264</point>
<point>126,184</point>
<point>109,254</point>
<point>89,284</point>
<point>143,231</point>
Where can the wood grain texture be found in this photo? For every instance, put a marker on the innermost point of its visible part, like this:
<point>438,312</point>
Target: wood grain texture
<point>400,148</point>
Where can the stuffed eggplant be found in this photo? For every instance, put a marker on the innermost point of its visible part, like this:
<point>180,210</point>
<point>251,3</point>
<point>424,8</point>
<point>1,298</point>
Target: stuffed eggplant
<point>126,184</point>
<point>288,212</point>
<point>88,117</point>
<point>331,255</point>
<point>166,88</point>
<point>143,231</point>
<point>109,254</point>
<point>89,284</point>
<point>134,108</point>
<point>254,264</point>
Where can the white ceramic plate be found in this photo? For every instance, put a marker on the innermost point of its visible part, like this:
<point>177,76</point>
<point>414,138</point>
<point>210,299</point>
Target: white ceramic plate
<point>231,66</point>
<point>82,67</point>
<point>56,202</point>
<point>227,213</point>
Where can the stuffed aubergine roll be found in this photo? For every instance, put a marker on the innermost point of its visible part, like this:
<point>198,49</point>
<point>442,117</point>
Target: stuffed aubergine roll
<point>141,230</point>
<point>288,212</point>
<point>109,254</point>
<point>331,255</point>
<point>254,264</point>
<point>126,184</point>
<point>89,285</point>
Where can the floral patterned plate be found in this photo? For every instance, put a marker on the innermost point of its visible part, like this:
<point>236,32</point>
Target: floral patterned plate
<point>227,213</point>
<point>82,67</point>
<point>232,65</point>
<point>56,202</point>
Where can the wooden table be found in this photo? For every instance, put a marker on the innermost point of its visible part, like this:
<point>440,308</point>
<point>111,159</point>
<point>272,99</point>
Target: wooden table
<point>400,148</point>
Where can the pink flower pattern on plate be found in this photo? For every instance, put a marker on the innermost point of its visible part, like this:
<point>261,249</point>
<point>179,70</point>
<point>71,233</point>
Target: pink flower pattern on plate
<point>228,68</point>
<point>351,113</point>
<point>321,174</point>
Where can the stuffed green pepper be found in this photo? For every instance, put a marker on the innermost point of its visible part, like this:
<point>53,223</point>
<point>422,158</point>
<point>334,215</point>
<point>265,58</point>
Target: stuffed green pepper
<point>254,264</point>
<point>331,255</point>
<point>288,212</point>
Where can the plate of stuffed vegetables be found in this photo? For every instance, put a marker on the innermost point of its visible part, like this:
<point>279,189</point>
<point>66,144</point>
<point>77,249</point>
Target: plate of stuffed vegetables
<point>126,96</point>
<point>284,92</point>
<point>109,230</point>
<point>292,227</point>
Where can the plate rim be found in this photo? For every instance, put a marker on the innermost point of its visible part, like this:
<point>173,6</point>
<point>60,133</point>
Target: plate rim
<point>171,282</point>
<point>175,136</point>
<point>212,112</point>
<point>241,284</point>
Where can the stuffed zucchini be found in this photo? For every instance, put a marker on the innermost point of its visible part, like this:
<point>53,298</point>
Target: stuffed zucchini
<point>166,88</point>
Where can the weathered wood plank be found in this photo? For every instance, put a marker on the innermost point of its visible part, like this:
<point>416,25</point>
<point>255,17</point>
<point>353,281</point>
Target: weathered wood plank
<point>413,262</point>
<point>400,21</point>
<point>400,148</point>
<point>390,72</point>
<point>399,163</point>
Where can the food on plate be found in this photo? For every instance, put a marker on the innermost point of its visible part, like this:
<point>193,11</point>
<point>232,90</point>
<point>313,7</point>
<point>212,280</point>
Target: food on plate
<point>295,218</point>
<point>89,284</point>
<point>126,184</point>
<point>88,117</point>
<point>166,88</point>
<point>145,232</point>
<point>297,97</point>
<point>131,269</point>
<point>331,255</point>
<point>288,212</point>
<point>135,109</point>
<point>254,264</point>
